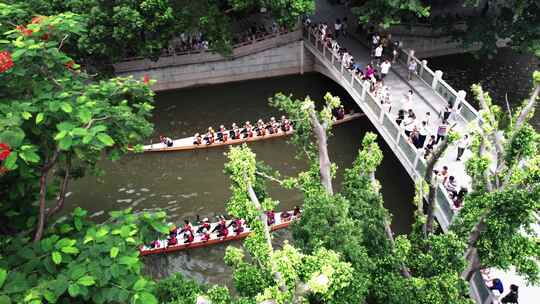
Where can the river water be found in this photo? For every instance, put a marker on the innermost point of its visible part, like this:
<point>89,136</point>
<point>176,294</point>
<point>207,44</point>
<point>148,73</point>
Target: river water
<point>185,184</point>
<point>506,75</point>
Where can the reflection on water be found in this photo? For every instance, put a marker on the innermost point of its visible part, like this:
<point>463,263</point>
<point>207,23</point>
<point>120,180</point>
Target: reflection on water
<point>506,75</point>
<point>188,183</point>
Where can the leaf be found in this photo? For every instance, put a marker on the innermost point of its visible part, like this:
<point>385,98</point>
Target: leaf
<point>147,298</point>
<point>70,250</point>
<point>10,162</point>
<point>73,290</point>
<point>114,252</point>
<point>85,115</point>
<point>13,138</point>
<point>3,275</point>
<point>56,257</point>
<point>105,139</point>
<point>39,118</point>
<point>79,132</point>
<point>86,280</point>
<point>26,115</point>
<point>60,135</point>
<point>29,156</point>
<point>66,107</point>
<point>5,299</point>
<point>65,126</point>
<point>139,285</point>
<point>66,142</point>
<point>127,260</point>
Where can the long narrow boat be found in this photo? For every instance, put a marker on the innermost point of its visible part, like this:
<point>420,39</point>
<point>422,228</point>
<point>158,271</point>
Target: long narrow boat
<point>187,143</point>
<point>162,246</point>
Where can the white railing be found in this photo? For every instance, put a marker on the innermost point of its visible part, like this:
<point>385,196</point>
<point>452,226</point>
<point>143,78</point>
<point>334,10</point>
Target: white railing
<point>409,156</point>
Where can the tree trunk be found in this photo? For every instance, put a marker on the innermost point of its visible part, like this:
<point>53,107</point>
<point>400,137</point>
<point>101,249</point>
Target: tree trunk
<point>277,275</point>
<point>62,195</point>
<point>471,254</point>
<point>324,160</point>
<point>42,197</point>
<point>433,159</point>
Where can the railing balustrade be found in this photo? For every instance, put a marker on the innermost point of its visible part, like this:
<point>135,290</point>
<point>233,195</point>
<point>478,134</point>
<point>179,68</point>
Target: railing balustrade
<point>396,137</point>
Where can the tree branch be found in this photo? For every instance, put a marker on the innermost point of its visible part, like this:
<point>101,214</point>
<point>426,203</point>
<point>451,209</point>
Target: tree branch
<point>324,160</point>
<point>43,194</point>
<point>94,120</point>
<point>253,197</point>
<point>262,174</point>
<point>63,188</point>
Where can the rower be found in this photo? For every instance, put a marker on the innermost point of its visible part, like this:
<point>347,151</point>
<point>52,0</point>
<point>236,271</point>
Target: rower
<point>297,212</point>
<point>270,218</point>
<point>248,130</point>
<point>237,225</point>
<point>340,113</point>
<point>197,139</point>
<point>270,125</point>
<point>222,134</point>
<point>154,244</point>
<point>210,136</point>
<point>187,227</point>
<point>172,241</point>
<point>189,237</point>
<point>205,237</point>
<point>234,132</point>
<point>173,231</point>
<point>285,124</point>
<point>166,141</point>
<point>261,128</point>
<point>205,225</point>
<point>285,216</point>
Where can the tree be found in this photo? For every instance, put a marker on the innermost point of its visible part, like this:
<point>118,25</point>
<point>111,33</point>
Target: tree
<point>388,12</point>
<point>58,124</point>
<point>499,215</point>
<point>119,29</point>
<point>281,276</point>
<point>67,263</point>
<point>516,20</point>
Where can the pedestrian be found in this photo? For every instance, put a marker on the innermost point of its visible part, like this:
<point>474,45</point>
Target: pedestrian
<point>378,53</point>
<point>422,134</point>
<point>446,113</point>
<point>462,144</point>
<point>451,186</point>
<point>412,68</point>
<point>395,51</point>
<point>442,131</point>
<point>344,27</point>
<point>429,146</point>
<point>408,101</point>
<point>409,125</point>
<point>427,118</point>
<point>512,296</point>
<point>337,27</point>
<point>385,68</point>
<point>400,118</point>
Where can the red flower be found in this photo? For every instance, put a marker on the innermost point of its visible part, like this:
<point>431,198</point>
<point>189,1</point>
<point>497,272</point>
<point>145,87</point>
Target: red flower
<point>45,37</point>
<point>146,79</point>
<point>70,64</point>
<point>6,62</point>
<point>37,19</point>
<point>4,151</point>
<point>24,30</point>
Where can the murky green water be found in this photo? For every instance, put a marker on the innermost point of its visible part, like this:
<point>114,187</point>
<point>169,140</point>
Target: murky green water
<point>185,184</point>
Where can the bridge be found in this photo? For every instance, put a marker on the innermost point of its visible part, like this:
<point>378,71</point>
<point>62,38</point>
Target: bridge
<point>299,51</point>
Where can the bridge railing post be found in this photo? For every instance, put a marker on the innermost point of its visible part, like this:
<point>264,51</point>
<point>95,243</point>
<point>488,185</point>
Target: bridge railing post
<point>422,68</point>
<point>436,79</point>
<point>364,91</point>
<point>460,98</point>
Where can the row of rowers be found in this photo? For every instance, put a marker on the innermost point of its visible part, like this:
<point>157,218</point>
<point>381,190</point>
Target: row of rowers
<point>248,130</point>
<point>220,230</point>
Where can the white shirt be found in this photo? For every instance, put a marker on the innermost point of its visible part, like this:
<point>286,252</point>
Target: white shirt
<point>337,26</point>
<point>378,51</point>
<point>409,124</point>
<point>375,39</point>
<point>463,143</point>
<point>385,67</point>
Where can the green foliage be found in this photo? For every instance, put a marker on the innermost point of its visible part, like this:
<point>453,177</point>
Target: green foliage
<point>60,116</point>
<point>176,289</point>
<point>68,262</point>
<point>389,12</point>
<point>514,19</point>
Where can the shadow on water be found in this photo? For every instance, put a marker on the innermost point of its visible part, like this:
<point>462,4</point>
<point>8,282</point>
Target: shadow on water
<point>185,184</point>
